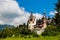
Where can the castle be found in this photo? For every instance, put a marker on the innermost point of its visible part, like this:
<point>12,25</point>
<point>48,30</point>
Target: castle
<point>34,24</point>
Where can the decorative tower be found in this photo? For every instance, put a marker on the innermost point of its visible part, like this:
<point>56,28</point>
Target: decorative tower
<point>31,22</point>
<point>44,21</point>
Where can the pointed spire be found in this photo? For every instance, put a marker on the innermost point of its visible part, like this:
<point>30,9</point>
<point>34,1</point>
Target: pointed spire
<point>44,14</point>
<point>31,13</point>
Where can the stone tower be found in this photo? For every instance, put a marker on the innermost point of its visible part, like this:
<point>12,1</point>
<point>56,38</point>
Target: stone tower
<point>44,21</point>
<point>31,22</point>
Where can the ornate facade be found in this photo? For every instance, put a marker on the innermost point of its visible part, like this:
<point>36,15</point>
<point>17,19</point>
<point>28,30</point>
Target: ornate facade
<point>33,23</point>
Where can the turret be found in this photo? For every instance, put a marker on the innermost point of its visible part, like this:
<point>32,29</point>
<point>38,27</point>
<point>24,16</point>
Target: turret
<point>31,22</point>
<point>44,21</point>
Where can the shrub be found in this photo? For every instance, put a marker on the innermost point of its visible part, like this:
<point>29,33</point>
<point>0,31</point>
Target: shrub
<point>50,31</point>
<point>35,34</point>
<point>0,33</point>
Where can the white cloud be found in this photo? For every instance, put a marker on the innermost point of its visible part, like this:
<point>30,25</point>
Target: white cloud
<point>38,16</point>
<point>1,22</point>
<point>11,13</point>
<point>53,13</point>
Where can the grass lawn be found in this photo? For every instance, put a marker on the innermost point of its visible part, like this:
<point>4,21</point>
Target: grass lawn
<point>33,38</point>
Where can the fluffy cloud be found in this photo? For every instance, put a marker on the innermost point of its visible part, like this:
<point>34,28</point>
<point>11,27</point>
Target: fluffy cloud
<point>11,13</point>
<point>53,13</point>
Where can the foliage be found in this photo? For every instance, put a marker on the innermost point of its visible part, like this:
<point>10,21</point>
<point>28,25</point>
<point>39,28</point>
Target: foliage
<point>0,33</point>
<point>50,31</point>
<point>57,15</point>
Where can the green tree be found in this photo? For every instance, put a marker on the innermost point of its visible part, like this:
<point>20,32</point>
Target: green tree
<point>50,31</point>
<point>57,15</point>
<point>7,32</point>
<point>0,33</point>
<point>58,6</point>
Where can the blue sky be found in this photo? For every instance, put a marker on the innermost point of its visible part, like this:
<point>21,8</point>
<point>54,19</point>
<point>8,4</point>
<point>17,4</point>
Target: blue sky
<point>38,5</point>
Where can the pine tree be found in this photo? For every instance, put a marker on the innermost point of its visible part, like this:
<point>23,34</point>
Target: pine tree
<point>57,15</point>
<point>58,6</point>
<point>49,18</point>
